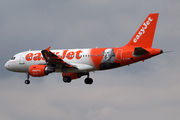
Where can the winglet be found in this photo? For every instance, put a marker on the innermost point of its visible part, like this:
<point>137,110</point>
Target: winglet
<point>48,49</point>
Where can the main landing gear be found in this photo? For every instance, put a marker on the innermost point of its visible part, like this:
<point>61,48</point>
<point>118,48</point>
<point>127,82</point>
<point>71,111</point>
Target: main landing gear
<point>67,79</point>
<point>27,81</point>
<point>88,80</point>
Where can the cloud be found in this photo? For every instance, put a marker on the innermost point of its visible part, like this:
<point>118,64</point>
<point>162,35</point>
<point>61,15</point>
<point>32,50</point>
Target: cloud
<point>125,96</point>
<point>148,90</point>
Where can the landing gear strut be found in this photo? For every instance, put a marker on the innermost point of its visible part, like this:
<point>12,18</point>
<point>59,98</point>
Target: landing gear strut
<point>66,79</point>
<point>27,81</point>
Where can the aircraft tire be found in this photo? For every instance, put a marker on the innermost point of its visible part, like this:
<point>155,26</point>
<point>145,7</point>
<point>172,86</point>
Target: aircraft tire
<point>27,81</point>
<point>67,79</point>
<point>88,81</point>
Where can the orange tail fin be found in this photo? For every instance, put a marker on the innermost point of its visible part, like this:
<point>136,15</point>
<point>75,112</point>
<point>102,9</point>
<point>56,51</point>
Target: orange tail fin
<point>145,34</point>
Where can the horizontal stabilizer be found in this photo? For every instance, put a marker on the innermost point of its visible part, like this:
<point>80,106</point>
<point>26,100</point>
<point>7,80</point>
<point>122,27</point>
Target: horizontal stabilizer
<point>138,51</point>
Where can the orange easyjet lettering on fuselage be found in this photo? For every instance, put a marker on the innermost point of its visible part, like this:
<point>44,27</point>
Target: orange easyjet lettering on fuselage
<point>66,53</point>
<point>37,57</point>
<point>29,56</point>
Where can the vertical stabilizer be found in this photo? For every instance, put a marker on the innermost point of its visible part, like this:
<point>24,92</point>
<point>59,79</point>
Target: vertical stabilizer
<point>145,34</point>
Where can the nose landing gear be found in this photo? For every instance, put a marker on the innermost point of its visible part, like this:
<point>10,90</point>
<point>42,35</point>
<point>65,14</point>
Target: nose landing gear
<point>27,81</point>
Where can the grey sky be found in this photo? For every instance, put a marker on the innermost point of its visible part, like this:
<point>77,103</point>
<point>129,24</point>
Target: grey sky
<point>142,91</point>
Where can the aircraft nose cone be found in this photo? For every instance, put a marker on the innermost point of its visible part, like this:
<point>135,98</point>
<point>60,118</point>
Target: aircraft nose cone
<point>7,65</point>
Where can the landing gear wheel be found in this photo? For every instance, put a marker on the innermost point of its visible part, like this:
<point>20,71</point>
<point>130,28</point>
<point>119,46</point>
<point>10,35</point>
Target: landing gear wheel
<point>88,80</point>
<point>67,79</point>
<point>27,81</point>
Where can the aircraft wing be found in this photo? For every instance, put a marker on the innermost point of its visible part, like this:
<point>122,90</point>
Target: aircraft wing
<point>51,58</point>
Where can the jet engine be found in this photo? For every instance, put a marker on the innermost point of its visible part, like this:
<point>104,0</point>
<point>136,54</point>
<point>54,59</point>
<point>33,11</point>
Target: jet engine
<point>40,70</point>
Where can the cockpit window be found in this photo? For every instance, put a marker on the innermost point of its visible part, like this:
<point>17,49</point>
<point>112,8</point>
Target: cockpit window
<point>13,58</point>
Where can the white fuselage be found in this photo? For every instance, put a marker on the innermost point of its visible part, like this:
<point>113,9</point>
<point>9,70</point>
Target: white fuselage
<point>23,60</point>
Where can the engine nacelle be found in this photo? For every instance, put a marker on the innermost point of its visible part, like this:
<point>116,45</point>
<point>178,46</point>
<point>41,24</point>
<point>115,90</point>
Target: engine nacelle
<point>75,75</point>
<point>40,70</point>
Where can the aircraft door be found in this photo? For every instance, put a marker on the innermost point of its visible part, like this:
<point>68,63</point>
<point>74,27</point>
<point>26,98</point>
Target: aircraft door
<point>22,58</point>
<point>119,55</point>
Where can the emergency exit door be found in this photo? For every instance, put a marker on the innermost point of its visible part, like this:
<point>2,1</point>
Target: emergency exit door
<point>119,55</point>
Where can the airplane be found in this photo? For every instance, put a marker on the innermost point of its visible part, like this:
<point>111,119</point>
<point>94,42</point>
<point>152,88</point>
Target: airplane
<point>75,63</point>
